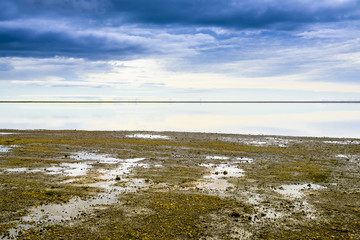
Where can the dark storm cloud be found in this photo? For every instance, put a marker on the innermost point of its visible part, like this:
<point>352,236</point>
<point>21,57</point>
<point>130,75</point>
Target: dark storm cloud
<point>237,14</point>
<point>224,13</point>
<point>29,43</point>
<point>12,9</point>
<point>19,38</point>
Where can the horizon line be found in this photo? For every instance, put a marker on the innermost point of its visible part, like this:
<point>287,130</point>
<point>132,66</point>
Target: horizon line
<point>178,101</point>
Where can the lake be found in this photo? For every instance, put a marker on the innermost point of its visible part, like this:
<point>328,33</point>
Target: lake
<point>299,119</point>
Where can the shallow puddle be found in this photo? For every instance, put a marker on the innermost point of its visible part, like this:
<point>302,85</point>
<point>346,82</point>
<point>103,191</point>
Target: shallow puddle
<point>297,191</point>
<point>253,198</point>
<point>148,136</point>
<point>113,182</point>
<point>270,141</point>
<point>4,149</point>
<point>17,170</point>
<point>216,184</point>
<point>53,170</point>
<point>217,158</point>
<point>23,170</point>
<point>258,143</point>
<point>81,168</point>
<point>352,158</point>
<point>223,170</point>
<point>74,169</point>
<point>67,169</point>
<point>264,211</point>
<point>122,170</point>
<point>55,213</point>
<point>261,142</point>
<point>216,180</point>
<point>343,142</point>
<point>234,160</point>
<point>244,160</point>
<point>101,158</point>
<point>298,203</point>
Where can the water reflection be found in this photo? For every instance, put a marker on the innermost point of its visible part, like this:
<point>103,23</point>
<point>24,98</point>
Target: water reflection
<point>332,120</point>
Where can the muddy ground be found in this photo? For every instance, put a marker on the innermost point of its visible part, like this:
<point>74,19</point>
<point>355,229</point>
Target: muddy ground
<point>170,185</point>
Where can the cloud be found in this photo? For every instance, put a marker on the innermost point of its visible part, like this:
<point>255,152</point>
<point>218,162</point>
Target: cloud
<point>237,14</point>
<point>45,38</point>
<point>225,13</point>
<point>5,66</point>
<point>7,10</point>
<point>182,44</point>
<point>268,73</point>
<point>25,42</point>
<point>129,29</point>
<point>47,71</point>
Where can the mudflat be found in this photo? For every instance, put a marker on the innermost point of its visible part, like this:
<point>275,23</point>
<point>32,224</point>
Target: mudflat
<point>177,185</point>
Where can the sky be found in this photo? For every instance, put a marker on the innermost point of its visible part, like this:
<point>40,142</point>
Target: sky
<point>179,50</point>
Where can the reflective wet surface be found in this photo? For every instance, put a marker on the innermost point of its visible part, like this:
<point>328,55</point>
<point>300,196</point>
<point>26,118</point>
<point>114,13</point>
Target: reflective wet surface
<point>148,136</point>
<point>111,182</point>
<point>331,120</point>
<point>4,149</point>
<point>297,190</point>
<point>216,179</point>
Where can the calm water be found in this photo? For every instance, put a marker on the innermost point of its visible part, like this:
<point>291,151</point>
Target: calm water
<point>332,120</point>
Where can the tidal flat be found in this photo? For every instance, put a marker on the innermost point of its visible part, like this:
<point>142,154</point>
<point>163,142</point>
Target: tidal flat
<point>177,185</point>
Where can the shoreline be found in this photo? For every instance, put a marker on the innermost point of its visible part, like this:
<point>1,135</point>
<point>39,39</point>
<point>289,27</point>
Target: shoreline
<point>9,130</point>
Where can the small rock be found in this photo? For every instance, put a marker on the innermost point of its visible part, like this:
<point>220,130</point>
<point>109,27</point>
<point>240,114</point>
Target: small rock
<point>235,214</point>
